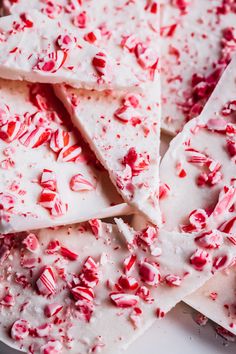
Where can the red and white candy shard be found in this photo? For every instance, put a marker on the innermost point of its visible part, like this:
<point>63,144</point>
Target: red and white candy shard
<point>108,283</point>
<point>198,40</point>
<point>199,167</point>
<point>57,182</point>
<point>216,299</point>
<point>57,55</point>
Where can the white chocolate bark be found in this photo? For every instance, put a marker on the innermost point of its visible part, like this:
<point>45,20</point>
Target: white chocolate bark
<point>38,49</point>
<point>130,31</point>
<point>201,162</point>
<point>126,31</point>
<point>49,282</point>
<point>198,38</point>
<point>216,299</point>
<point>120,126</point>
<point>125,148</point>
<point>34,108</point>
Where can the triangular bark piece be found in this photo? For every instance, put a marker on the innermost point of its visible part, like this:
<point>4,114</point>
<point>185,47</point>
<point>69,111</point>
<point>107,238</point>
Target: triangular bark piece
<point>198,170</point>
<point>48,175</point>
<point>198,39</point>
<point>36,48</point>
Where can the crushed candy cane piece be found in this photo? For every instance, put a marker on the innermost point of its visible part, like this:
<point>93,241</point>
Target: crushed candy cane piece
<point>101,64</point>
<point>52,347</point>
<point>66,42</point>
<point>173,280</point>
<point>129,264</point>
<point>124,300</point>
<point>65,252</point>
<point>83,293</point>
<point>210,239</point>
<point>199,259</point>
<point>48,180</point>
<point>46,283</point>
<point>52,309</point>
<point>78,184</point>
<point>20,329</point>
<point>96,227</point>
<point>149,273</point>
<point>59,139</point>
<point>31,243</point>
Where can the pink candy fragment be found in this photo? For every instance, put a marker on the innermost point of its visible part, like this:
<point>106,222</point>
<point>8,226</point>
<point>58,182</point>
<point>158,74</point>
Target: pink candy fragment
<point>52,347</point>
<point>128,283</point>
<point>52,309</point>
<point>226,199</point>
<point>8,300</point>
<point>78,184</point>
<point>59,139</point>
<point>65,252</point>
<point>229,227</point>
<point>52,62</point>
<point>149,273</point>
<point>7,201</point>
<point>102,65</point>
<point>89,275</point>
<point>48,180</point>
<point>96,227</point>
<point>147,57</point>
<point>198,218</point>
<point>137,162</point>
<point>210,239</point>
<point>148,235</point>
<point>70,153</point>
<point>124,300</point>
<point>35,137</point>
<point>199,259</point>
<point>31,243</point>
<point>20,329</point>
<point>173,280</point>
<point>43,330</point>
<point>92,36</point>
<point>52,201</point>
<point>83,293</point>
<point>12,130</point>
<point>80,20</point>
<point>66,42</point>
<point>220,262</point>
<point>129,264</point>
<point>126,114</point>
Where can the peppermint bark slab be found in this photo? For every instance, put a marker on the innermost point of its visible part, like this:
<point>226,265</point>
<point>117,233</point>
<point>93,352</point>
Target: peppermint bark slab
<point>38,49</point>
<point>198,170</point>
<point>79,281</point>
<point>198,39</point>
<point>216,299</point>
<point>48,176</point>
<point>128,30</point>
<point>121,129</point>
